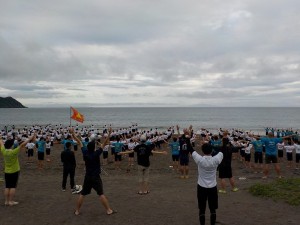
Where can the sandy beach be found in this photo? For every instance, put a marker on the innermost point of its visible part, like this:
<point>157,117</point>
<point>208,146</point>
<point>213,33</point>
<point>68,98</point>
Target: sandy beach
<point>171,201</point>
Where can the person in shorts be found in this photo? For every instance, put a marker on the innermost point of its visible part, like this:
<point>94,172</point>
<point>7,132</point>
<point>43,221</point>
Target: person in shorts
<point>225,169</point>
<point>289,148</point>
<point>30,149</point>
<point>258,155</point>
<point>41,147</point>
<point>297,150</point>
<point>270,143</point>
<point>185,147</point>
<point>92,179</point>
<point>11,167</point>
<point>280,148</point>
<point>175,147</point>
<point>143,152</point>
<point>48,149</point>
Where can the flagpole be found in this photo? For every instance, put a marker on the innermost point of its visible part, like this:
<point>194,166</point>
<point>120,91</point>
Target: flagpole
<point>70,116</point>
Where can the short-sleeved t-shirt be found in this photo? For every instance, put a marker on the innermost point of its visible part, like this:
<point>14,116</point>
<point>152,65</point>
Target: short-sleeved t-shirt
<point>11,160</point>
<point>92,163</point>
<point>270,145</point>
<point>118,146</point>
<point>41,146</point>
<point>258,146</point>
<point>143,153</point>
<point>175,147</point>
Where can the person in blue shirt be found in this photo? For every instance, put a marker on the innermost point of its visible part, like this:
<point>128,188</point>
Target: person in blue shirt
<point>215,142</point>
<point>270,143</point>
<point>67,140</point>
<point>258,155</point>
<point>41,147</point>
<point>175,147</point>
<point>118,146</point>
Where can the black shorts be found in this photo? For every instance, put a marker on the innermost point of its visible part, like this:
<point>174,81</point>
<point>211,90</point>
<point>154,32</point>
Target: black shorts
<point>92,182</point>
<point>242,153</point>
<point>297,158</point>
<point>271,158</point>
<point>258,157</point>
<point>30,152</point>
<point>118,157</point>
<point>112,151</point>
<point>48,151</point>
<point>280,153</point>
<point>289,156</point>
<point>225,172</point>
<point>75,147</point>
<point>11,179</point>
<point>247,157</point>
<point>184,160</point>
<point>105,155</point>
<point>207,194</point>
<point>41,155</point>
<point>131,155</point>
<point>175,157</point>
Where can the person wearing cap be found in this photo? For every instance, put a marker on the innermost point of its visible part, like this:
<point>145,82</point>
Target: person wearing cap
<point>11,167</point>
<point>143,160</point>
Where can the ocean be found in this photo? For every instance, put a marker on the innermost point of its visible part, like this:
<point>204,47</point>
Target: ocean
<point>249,119</point>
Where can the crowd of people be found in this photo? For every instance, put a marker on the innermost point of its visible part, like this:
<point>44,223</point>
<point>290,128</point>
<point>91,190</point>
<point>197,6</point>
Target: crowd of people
<point>108,145</point>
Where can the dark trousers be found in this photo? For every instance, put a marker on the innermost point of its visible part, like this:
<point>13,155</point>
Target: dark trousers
<point>209,195</point>
<point>66,172</point>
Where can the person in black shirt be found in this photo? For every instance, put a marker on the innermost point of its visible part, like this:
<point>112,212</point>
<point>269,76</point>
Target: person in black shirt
<point>143,153</point>
<point>184,152</point>
<point>69,165</point>
<point>92,179</point>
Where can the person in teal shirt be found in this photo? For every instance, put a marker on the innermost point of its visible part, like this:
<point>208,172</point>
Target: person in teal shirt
<point>258,155</point>
<point>270,143</point>
<point>118,148</point>
<point>41,147</point>
<point>11,167</point>
<point>175,147</point>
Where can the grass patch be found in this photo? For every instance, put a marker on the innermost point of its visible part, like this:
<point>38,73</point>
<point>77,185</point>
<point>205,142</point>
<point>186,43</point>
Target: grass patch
<point>287,190</point>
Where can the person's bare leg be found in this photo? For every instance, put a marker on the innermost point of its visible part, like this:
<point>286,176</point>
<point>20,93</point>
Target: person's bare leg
<point>105,203</point>
<point>223,184</point>
<point>6,195</point>
<point>277,168</point>
<point>79,204</point>
<point>266,170</point>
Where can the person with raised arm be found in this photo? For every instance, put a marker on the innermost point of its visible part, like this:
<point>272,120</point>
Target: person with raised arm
<point>92,179</point>
<point>207,181</point>
<point>143,154</point>
<point>11,167</point>
<point>184,149</point>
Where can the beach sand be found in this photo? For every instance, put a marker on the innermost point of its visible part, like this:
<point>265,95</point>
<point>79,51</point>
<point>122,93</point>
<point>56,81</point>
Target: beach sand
<point>171,201</point>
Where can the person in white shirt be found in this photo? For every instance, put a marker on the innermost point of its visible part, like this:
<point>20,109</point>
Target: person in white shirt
<point>297,149</point>
<point>30,149</point>
<point>280,147</point>
<point>207,181</point>
<point>289,148</point>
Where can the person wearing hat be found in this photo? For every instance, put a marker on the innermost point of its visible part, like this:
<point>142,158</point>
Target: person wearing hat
<point>11,167</point>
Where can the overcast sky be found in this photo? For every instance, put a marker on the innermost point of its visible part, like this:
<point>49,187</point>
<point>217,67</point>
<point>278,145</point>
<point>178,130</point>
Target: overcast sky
<point>150,52</point>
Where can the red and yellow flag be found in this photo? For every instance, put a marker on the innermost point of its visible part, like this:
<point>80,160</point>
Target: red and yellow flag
<point>77,115</point>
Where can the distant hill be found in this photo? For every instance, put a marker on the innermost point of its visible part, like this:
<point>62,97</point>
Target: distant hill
<point>10,102</point>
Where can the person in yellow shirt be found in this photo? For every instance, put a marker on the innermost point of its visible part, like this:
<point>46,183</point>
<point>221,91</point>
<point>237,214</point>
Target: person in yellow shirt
<point>11,167</point>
